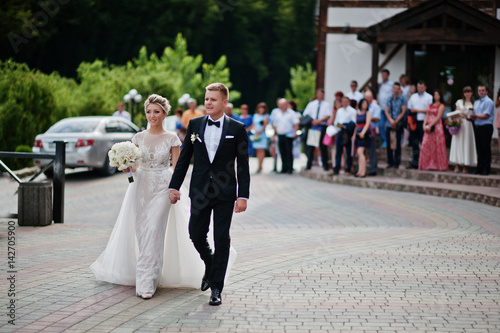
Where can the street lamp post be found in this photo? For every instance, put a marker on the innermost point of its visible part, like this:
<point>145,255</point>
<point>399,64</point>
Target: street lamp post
<point>133,98</point>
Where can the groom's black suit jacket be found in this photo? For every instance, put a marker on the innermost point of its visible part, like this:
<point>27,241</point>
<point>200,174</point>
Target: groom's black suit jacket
<point>227,181</point>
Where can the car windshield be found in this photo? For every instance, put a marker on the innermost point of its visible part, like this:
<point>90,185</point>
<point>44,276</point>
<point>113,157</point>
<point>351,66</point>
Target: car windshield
<point>75,126</point>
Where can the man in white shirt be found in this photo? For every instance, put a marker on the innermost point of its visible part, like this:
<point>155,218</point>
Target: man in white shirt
<point>345,119</point>
<point>320,111</point>
<point>354,94</point>
<point>384,93</point>
<point>418,104</point>
<point>120,112</point>
<point>286,125</point>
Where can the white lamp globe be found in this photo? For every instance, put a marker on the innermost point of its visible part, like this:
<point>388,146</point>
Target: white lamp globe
<point>132,93</point>
<point>127,98</point>
<point>138,98</point>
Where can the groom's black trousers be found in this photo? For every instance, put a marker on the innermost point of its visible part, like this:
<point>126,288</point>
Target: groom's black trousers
<point>201,209</point>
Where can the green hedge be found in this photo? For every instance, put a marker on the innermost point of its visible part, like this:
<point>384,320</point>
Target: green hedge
<point>31,101</point>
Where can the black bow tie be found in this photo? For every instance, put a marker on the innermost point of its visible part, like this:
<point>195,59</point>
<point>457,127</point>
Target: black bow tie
<point>216,123</point>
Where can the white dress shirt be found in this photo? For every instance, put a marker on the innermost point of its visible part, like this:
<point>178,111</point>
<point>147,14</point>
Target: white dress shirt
<point>345,115</point>
<point>123,114</point>
<point>356,95</point>
<point>384,93</point>
<point>325,110</point>
<point>212,137</point>
<point>284,122</point>
<point>420,102</point>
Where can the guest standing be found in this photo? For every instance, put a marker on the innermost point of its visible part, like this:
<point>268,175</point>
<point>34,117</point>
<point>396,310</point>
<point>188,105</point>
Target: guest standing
<point>354,94</point>
<point>246,119</point>
<point>190,113</point>
<point>120,112</point>
<point>484,110</point>
<point>395,112</point>
<point>319,110</point>
<point>363,136</point>
<point>418,104</point>
<point>384,93</point>
<point>286,125</point>
<point>260,121</point>
<point>433,155</point>
<point>463,144</point>
<point>345,119</point>
<point>375,117</point>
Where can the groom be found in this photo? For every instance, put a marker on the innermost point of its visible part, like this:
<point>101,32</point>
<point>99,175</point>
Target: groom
<point>216,141</point>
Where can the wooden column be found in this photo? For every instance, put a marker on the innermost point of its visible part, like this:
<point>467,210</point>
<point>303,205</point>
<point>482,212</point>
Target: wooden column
<point>374,86</point>
<point>321,50</point>
<point>409,63</point>
<point>491,77</point>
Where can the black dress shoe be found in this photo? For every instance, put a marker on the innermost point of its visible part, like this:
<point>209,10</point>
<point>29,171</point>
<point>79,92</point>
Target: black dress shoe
<point>372,174</point>
<point>411,166</point>
<point>204,284</point>
<point>215,298</point>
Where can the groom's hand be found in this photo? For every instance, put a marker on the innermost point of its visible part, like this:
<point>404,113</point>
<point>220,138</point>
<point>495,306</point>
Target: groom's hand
<point>174,196</point>
<point>241,206</point>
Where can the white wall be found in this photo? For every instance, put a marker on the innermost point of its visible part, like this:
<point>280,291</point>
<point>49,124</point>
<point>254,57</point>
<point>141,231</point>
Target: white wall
<point>349,59</point>
<point>359,17</point>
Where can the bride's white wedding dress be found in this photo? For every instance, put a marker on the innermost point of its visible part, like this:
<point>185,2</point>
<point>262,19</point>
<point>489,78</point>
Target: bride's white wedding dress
<point>149,244</point>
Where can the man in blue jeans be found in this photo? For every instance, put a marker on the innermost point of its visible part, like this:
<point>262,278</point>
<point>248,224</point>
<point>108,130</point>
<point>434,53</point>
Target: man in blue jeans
<point>384,93</point>
<point>395,112</point>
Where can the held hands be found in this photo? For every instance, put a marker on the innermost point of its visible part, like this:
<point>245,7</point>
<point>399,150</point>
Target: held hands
<point>174,196</point>
<point>240,206</point>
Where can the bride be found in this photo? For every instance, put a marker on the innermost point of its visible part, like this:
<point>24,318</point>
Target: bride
<point>150,245</point>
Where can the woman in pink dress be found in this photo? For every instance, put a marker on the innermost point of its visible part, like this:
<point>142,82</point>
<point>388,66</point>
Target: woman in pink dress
<point>433,155</point>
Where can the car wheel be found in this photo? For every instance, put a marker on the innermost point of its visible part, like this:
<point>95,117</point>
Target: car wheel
<point>107,170</point>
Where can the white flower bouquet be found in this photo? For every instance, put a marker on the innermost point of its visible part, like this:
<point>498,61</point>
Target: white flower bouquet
<point>124,155</point>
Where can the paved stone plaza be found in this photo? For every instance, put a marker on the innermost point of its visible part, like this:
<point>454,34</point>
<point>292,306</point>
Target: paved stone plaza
<point>312,257</point>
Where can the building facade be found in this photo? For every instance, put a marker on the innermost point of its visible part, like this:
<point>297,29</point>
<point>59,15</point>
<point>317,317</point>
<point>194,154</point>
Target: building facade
<point>447,43</point>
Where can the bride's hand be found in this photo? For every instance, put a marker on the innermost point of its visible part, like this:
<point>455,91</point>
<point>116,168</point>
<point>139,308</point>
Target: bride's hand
<point>126,170</point>
<point>174,196</point>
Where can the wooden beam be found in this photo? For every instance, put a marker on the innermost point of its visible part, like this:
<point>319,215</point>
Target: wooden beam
<point>367,3</point>
<point>438,36</point>
<point>409,62</point>
<point>375,70</point>
<point>342,30</point>
<point>321,49</point>
<point>491,77</point>
<point>386,61</point>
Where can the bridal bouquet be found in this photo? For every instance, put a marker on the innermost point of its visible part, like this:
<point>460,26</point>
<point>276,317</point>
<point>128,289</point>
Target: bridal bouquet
<point>124,155</point>
<point>453,125</point>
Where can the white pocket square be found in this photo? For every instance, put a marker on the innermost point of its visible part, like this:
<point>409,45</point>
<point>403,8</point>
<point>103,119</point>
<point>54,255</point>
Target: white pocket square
<point>229,136</point>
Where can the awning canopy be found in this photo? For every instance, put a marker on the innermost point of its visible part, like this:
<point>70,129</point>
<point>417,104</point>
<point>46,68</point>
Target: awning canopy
<point>441,22</point>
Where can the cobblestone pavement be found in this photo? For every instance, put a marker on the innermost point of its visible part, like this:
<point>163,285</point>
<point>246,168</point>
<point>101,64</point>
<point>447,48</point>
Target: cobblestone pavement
<point>312,257</point>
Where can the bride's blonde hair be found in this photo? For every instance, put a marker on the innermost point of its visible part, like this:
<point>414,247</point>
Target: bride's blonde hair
<point>160,100</point>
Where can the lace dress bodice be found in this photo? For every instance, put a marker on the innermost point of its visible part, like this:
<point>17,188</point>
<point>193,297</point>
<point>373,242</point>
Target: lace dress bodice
<point>155,149</point>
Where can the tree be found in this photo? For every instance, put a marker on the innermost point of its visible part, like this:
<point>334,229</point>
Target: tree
<point>302,83</point>
<point>261,39</point>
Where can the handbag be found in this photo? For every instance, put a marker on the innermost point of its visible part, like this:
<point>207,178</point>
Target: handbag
<point>306,121</point>
<point>313,137</point>
<point>255,137</point>
<point>412,122</point>
<point>327,140</point>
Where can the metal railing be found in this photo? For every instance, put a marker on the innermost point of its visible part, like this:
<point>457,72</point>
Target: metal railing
<point>59,164</point>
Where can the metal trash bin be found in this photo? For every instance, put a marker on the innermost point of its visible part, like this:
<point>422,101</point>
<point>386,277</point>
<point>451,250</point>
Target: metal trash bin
<point>34,206</point>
